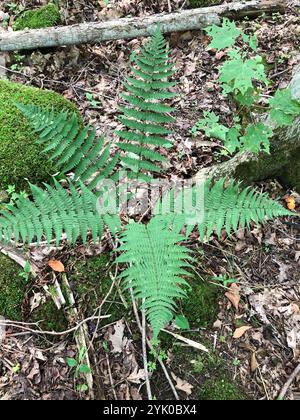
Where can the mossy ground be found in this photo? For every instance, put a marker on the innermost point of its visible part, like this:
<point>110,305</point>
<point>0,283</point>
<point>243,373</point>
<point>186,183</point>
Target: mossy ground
<point>12,289</point>
<point>221,389</point>
<point>90,282</point>
<point>43,17</point>
<point>208,373</point>
<point>213,373</point>
<point>201,305</point>
<point>21,159</point>
<point>49,317</point>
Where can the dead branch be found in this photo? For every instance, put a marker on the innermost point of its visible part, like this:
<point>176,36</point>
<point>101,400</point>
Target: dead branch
<point>289,383</point>
<point>128,28</point>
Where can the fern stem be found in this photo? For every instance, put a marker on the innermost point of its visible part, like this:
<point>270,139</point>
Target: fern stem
<point>145,359</point>
<point>162,365</point>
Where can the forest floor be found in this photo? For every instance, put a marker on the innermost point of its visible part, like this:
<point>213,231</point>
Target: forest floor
<point>264,261</point>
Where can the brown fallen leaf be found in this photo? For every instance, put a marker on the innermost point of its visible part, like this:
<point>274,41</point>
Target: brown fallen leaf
<point>220,55</point>
<point>291,202</point>
<point>117,339</point>
<point>137,376</point>
<point>239,332</point>
<point>182,385</point>
<point>253,363</point>
<point>233,295</point>
<point>56,266</point>
<point>218,324</point>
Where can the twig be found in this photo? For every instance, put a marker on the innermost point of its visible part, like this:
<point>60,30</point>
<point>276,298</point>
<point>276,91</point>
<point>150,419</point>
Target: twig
<point>110,377</point>
<point>289,383</point>
<point>263,382</point>
<point>151,348</point>
<point>99,309</point>
<point>81,338</point>
<point>273,76</point>
<point>21,326</point>
<point>187,341</point>
<point>91,341</point>
<point>144,346</point>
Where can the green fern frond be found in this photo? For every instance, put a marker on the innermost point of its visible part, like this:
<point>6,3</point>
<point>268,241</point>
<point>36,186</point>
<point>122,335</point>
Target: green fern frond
<point>53,212</point>
<point>155,274</point>
<point>144,116</point>
<point>219,206</point>
<point>71,147</point>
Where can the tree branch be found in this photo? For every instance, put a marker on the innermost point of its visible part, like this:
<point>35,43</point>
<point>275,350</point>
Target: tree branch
<point>127,28</point>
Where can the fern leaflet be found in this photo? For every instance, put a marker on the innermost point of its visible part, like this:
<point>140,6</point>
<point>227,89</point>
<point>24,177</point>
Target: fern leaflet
<point>218,206</point>
<point>71,147</point>
<point>155,273</point>
<point>54,212</point>
<point>145,117</point>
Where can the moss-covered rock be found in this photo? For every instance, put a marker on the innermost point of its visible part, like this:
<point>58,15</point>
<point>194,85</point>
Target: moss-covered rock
<point>220,389</point>
<point>21,159</point>
<point>12,289</point>
<point>290,174</point>
<point>43,17</point>
<point>204,3</point>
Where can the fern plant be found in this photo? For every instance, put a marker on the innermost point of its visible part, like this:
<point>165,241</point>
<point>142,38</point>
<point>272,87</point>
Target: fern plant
<point>145,116</point>
<point>156,263</point>
<point>155,274</point>
<point>71,147</point>
<point>78,150</point>
<point>52,213</point>
<point>225,205</point>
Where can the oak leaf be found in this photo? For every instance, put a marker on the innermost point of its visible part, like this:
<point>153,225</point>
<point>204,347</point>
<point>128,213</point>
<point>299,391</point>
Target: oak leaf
<point>56,266</point>
<point>239,332</point>
<point>233,295</point>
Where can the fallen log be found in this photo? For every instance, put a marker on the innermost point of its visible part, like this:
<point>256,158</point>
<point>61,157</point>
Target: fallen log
<point>127,28</point>
<point>282,163</point>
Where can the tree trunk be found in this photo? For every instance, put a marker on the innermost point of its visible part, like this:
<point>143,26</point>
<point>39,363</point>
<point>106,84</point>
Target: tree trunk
<point>283,162</point>
<point>134,27</point>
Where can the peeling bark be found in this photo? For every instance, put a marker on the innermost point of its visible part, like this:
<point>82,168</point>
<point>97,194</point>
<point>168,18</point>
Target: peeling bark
<point>127,28</point>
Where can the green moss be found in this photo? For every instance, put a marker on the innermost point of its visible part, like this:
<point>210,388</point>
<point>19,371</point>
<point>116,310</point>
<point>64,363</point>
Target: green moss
<point>43,17</point>
<point>91,282</point>
<point>12,289</point>
<point>201,305</point>
<point>290,174</point>
<point>52,318</point>
<point>21,159</point>
<point>220,389</point>
<point>204,3</point>
<point>208,373</point>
